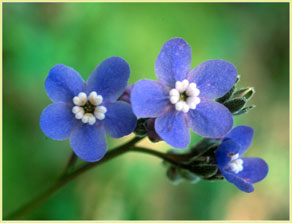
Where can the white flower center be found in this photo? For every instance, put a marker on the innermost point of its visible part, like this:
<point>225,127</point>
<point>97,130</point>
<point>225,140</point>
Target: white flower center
<point>184,96</point>
<point>235,164</point>
<point>87,108</point>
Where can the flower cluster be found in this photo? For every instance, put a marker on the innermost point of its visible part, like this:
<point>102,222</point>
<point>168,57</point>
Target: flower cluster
<point>201,99</point>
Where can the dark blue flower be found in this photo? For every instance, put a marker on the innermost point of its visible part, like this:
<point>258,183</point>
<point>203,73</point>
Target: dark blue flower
<point>86,111</point>
<point>242,172</point>
<point>183,98</point>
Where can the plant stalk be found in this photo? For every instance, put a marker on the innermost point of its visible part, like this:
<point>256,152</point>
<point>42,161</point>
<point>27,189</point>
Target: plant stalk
<point>30,206</point>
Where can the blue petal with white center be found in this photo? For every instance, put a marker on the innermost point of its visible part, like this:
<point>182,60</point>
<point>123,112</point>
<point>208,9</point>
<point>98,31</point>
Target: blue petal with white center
<point>109,79</point>
<point>254,169</point>
<point>57,121</point>
<point>88,142</point>
<point>225,151</point>
<point>242,172</point>
<point>149,99</point>
<point>210,119</point>
<point>172,128</point>
<point>63,83</point>
<point>79,111</point>
<point>214,78</point>
<point>119,120</point>
<point>173,62</point>
<point>242,135</point>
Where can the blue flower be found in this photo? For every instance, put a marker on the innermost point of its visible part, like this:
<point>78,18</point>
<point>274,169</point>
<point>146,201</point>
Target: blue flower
<point>86,111</point>
<point>242,172</point>
<point>183,98</point>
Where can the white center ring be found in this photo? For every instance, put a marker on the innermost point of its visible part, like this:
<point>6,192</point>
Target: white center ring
<point>184,96</point>
<point>82,103</point>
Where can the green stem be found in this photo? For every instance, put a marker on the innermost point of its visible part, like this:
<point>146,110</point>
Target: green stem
<point>70,165</point>
<point>165,156</point>
<point>30,206</point>
<point>70,176</point>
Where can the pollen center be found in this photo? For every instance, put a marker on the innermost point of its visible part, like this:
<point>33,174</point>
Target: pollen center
<point>88,109</point>
<point>184,96</point>
<point>236,164</point>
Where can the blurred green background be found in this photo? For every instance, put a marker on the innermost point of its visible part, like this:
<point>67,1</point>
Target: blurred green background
<point>36,36</point>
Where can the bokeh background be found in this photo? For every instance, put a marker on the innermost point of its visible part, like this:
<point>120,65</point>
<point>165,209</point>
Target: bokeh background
<point>36,36</point>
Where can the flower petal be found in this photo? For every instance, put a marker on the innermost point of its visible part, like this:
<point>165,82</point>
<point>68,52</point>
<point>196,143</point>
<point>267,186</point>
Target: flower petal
<point>149,99</point>
<point>57,121</point>
<point>88,142</point>
<point>119,119</point>
<point>242,135</point>
<point>172,128</point>
<point>214,78</point>
<point>225,150</point>
<point>210,119</point>
<point>173,62</point>
<point>240,183</point>
<point>63,83</point>
<point>254,169</point>
<point>109,79</point>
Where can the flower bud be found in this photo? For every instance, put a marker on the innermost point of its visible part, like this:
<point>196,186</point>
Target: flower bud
<point>126,96</point>
<point>153,136</point>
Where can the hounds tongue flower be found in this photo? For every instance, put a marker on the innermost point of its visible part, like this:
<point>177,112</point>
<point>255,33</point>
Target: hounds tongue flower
<point>183,98</point>
<point>242,172</point>
<point>86,111</point>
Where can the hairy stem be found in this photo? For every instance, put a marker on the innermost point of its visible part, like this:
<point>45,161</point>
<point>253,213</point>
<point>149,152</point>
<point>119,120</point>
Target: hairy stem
<point>68,177</point>
<point>30,206</point>
<point>70,165</point>
<point>165,156</point>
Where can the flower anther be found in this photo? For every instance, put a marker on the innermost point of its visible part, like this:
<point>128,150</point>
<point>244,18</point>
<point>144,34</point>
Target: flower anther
<point>184,96</point>
<point>235,164</point>
<point>88,108</point>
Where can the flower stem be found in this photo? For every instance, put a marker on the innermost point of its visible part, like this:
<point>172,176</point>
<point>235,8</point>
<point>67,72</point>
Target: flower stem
<point>30,206</point>
<point>165,156</point>
<point>70,165</point>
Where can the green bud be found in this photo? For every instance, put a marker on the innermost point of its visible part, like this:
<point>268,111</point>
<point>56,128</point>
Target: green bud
<point>204,146</point>
<point>188,176</point>
<point>227,96</point>
<point>173,175</point>
<point>204,170</point>
<point>237,79</point>
<point>246,93</point>
<point>244,110</point>
<point>141,127</point>
<point>235,105</point>
<point>218,176</point>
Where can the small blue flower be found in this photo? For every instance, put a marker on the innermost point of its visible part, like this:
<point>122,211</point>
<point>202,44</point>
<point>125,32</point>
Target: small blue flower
<point>86,111</point>
<point>183,98</point>
<point>242,172</point>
